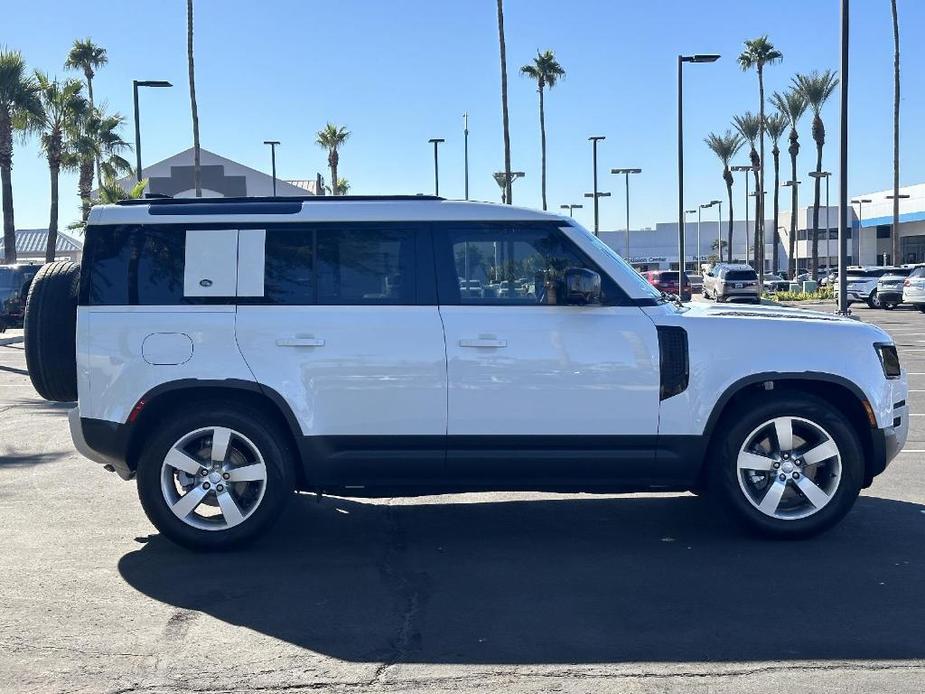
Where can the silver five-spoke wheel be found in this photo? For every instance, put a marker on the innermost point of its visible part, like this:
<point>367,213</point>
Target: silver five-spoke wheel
<point>789,468</point>
<point>213,478</point>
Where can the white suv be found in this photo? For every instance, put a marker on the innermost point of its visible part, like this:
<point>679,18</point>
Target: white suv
<point>230,351</point>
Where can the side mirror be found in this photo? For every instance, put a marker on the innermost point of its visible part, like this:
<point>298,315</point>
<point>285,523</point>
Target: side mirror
<point>582,287</point>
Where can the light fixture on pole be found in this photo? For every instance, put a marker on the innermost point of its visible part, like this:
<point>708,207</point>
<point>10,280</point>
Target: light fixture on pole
<point>597,196</point>
<point>795,213</point>
<point>272,144</point>
<point>501,180</point>
<point>696,58</point>
<point>828,229</point>
<point>594,139</point>
<point>436,141</point>
<point>843,168</point>
<point>860,202</point>
<point>135,85</point>
<point>571,207</point>
<point>627,172</point>
<point>700,209</point>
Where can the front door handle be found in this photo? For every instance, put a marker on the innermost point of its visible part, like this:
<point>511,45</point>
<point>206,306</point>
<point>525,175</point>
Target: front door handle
<point>482,342</point>
<point>300,342</point>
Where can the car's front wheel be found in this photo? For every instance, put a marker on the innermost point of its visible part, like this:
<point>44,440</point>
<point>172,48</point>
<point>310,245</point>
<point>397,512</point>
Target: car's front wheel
<point>790,467</point>
<point>214,476</point>
<point>873,300</point>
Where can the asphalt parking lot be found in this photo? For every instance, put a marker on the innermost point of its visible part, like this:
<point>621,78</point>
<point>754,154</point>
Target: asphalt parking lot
<point>496,592</point>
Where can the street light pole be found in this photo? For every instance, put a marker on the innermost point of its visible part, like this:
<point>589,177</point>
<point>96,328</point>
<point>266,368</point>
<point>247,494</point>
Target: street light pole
<point>135,85</point>
<point>895,229</point>
<point>703,206</point>
<point>697,58</point>
<point>843,169</point>
<point>596,195</point>
<point>466,153</point>
<point>594,139</point>
<point>826,175</point>
<point>436,141</point>
<point>687,212</point>
<point>745,170</point>
<point>795,213</point>
<point>860,202</point>
<point>719,230</point>
<point>273,144</point>
<point>627,173</point>
<point>571,207</point>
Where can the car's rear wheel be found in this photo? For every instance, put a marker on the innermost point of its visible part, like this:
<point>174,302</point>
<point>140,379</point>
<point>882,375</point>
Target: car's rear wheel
<point>790,467</point>
<point>873,300</point>
<point>920,307</point>
<point>215,477</point>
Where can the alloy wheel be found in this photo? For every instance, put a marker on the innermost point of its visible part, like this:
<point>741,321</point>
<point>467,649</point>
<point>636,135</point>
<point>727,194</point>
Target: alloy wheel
<point>789,468</point>
<point>213,478</point>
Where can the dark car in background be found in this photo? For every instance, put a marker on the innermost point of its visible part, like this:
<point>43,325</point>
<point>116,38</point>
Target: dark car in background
<point>14,287</point>
<point>667,281</point>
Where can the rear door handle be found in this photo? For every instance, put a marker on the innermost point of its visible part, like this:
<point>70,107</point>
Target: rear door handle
<point>300,342</point>
<point>482,342</point>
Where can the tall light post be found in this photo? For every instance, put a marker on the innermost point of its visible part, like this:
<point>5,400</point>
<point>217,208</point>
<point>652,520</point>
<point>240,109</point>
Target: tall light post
<point>719,230</point>
<point>900,196</point>
<point>795,213</point>
<point>135,85</point>
<point>627,172</point>
<point>696,58</point>
<point>746,170</point>
<point>687,212</point>
<point>435,141</point>
<point>570,208</point>
<point>594,139</point>
<point>466,153</point>
<point>700,209</point>
<point>758,251</point>
<point>597,195</point>
<point>272,144</point>
<point>828,229</point>
<point>501,180</point>
<point>860,202</point>
<point>843,168</point>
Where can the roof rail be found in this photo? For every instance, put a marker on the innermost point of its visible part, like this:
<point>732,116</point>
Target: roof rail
<point>278,199</point>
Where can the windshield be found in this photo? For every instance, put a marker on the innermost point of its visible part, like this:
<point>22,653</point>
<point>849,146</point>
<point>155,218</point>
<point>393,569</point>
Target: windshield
<point>740,275</point>
<point>630,273</point>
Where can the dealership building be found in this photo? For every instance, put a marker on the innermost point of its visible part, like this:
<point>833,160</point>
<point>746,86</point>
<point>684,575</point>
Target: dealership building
<point>869,235</point>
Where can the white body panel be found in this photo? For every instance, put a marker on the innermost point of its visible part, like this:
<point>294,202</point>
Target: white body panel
<point>351,369</point>
<point>551,370</point>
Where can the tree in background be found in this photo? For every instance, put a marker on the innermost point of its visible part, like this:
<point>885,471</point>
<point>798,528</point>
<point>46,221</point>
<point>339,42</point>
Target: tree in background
<point>546,71</point>
<point>343,187</point>
<point>332,137</point>
<point>62,105</point>
<point>96,136</point>
<point>792,105</point>
<point>194,107</point>
<point>816,88</point>
<point>726,146</point>
<point>18,102</point>
<point>87,57</point>
<point>504,113</point>
<point>776,124</point>
<point>112,192</point>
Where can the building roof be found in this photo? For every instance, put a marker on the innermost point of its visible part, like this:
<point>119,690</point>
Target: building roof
<point>33,242</point>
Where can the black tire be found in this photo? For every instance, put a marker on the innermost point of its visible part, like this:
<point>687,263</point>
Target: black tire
<point>873,301</point>
<point>270,440</point>
<point>920,307</point>
<point>50,331</point>
<point>888,306</point>
<point>733,431</point>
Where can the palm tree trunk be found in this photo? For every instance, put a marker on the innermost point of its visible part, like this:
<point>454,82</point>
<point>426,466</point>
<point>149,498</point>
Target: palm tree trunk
<point>543,145</point>
<point>6,185</point>
<point>333,178</point>
<point>54,168</point>
<point>99,170</point>
<point>894,235</point>
<point>794,212</point>
<point>504,114</point>
<point>729,233</point>
<point>197,173</point>
<point>775,254</point>
<point>756,233</point>
<point>84,184</point>
<point>817,183</point>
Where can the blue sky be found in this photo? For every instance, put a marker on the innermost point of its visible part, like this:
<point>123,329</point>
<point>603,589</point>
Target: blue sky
<point>397,73</point>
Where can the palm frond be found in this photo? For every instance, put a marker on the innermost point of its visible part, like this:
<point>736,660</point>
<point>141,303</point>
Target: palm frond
<point>545,69</point>
<point>748,125</point>
<point>758,53</point>
<point>791,103</point>
<point>332,136</point>
<point>815,87</point>
<point>86,56</point>
<point>775,125</point>
<point>725,146</point>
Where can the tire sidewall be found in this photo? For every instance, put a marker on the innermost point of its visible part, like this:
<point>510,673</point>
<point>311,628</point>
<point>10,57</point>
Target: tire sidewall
<point>262,432</point>
<point>734,432</point>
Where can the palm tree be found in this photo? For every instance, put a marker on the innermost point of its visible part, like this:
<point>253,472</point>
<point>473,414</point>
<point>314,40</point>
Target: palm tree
<point>197,171</point>
<point>894,234</point>
<point>504,115</point>
<point>87,57</point>
<point>112,192</point>
<point>758,53</point>
<point>18,101</point>
<point>726,146</point>
<point>749,127</point>
<point>331,138</point>
<point>96,136</point>
<point>792,105</point>
<point>816,88</point>
<point>62,106</point>
<point>545,69</point>
<point>775,124</point>
<point>343,187</point>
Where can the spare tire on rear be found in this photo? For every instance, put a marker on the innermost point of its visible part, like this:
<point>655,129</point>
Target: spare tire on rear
<point>50,330</point>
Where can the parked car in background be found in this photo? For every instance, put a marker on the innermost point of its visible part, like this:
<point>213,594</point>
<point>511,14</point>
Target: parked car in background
<point>667,281</point>
<point>914,288</point>
<point>14,288</point>
<point>775,283</point>
<point>890,287</point>
<point>696,283</point>
<point>731,283</point>
<point>862,285</point>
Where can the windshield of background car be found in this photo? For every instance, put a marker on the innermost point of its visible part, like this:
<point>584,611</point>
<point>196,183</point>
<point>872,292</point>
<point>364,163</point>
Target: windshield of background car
<point>631,275</point>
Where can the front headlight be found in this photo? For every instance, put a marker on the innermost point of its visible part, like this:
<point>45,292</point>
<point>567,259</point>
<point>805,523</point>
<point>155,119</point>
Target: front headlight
<point>889,359</point>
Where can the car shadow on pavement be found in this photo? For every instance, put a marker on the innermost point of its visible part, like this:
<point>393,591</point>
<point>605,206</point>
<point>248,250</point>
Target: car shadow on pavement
<point>11,458</point>
<point>588,580</point>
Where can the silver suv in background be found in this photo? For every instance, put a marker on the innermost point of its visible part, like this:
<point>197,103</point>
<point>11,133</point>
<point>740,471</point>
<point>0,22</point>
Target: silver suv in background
<point>890,287</point>
<point>731,282</point>
<point>862,285</point>
<point>914,288</point>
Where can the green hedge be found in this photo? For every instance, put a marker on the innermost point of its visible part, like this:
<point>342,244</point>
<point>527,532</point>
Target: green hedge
<point>820,294</point>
